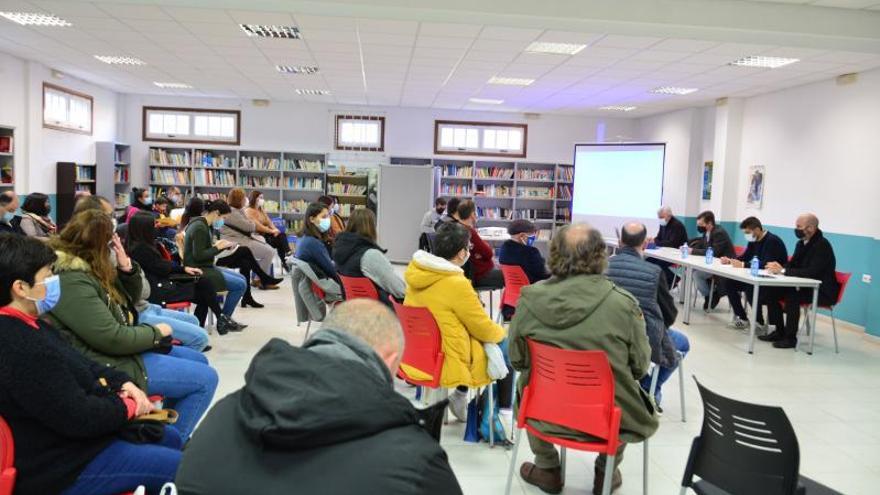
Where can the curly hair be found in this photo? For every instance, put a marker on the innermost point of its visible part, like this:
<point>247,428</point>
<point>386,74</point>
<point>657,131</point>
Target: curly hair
<point>86,236</point>
<point>577,250</point>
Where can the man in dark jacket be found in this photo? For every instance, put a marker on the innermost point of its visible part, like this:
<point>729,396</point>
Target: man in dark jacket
<point>519,250</point>
<point>714,236</point>
<point>813,258</point>
<point>671,234</point>
<point>765,246</point>
<point>629,270</point>
<point>315,419</point>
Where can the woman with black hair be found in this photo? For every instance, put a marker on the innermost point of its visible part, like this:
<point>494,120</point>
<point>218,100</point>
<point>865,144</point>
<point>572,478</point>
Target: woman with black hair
<point>141,200</point>
<point>313,244</point>
<point>337,223</point>
<point>36,221</point>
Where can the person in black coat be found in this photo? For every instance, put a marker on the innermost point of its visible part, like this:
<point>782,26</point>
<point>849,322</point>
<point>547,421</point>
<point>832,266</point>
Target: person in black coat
<point>671,234</point>
<point>813,258</point>
<point>714,236</point>
<point>65,411</point>
<point>322,418</point>
<point>519,251</point>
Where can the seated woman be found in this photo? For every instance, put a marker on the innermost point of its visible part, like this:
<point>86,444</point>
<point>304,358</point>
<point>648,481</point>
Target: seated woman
<point>141,200</point>
<point>437,282</point>
<point>265,227</point>
<point>356,254</point>
<point>165,225</point>
<point>65,411</point>
<point>313,245</point>
<point>337,223</point>
<point>35,219</point>
<point>95,312</point>
<point>160,271</point>
<point>239,229</point>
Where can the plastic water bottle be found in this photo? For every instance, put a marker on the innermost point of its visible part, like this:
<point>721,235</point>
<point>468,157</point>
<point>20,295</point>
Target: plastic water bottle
<point>754,266</point>
<point>710,256</point>
<point>684,251</point>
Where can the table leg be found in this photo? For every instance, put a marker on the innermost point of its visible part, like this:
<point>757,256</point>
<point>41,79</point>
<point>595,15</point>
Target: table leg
<point>689,280</point>
<point>753,318</point>
<point>812,317</point>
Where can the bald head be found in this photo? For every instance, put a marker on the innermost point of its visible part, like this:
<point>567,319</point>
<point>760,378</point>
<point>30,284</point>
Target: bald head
<point>634,235</point>
<point>808,219</point>
<point>577,249</point>
<point>807,223</point>
<point>13,203</point>
<point>372,322</point>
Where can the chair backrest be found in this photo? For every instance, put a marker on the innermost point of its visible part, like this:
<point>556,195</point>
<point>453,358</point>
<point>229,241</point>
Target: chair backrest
<point>7,459</point>
<point>744,448</point>
<point>843,281</point>
<point>571,388</point>
<point>514,280</point>
<point>431,236</point>
<point>423,349</point>
<point>358,287</point>
<point>739,250</point>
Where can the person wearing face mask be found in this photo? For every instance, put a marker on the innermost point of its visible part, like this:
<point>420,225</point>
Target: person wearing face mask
<point>813,258</point>
<point>273,236</point>
<point>66,412</point>
<point>141,200</point>
<point>436,281</point>
<point>433,216</point>
<point>768,248</point>
<point>481,270</point>
<point>671,234</point>
<point>313,244</point>
<point>520,251</point>
<point>36,221</point>
<point>7,216</point>
<point>239,229</point>
<point>337,223</point>
<point>714,236</point>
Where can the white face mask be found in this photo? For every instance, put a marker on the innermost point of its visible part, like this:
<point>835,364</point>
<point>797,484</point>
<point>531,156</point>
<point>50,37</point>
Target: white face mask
<point>247,202</point>
<point>750,237</point>
<point>260,202</point>
<point>663,222</point>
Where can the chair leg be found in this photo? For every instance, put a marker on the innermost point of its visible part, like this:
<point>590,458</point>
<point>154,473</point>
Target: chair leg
<point>491,304</point>
<point>684,491</point>
<point>609,473</point>
<point>445,395</point>
<point>681,387</point>
<point>308,327</point>
<point>655,375</point>
<point>517,437</point>
<point>491,417</point>
<point>645,468</point>
<point>834,331</point>
<point>563,457</point>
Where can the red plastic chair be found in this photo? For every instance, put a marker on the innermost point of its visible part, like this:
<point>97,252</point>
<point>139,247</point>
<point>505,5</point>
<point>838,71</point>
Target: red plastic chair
<point>514,280</point>
<point>739,250</point>
<point>7,459</point>
<point>574,389</point>
<point>179,306</point>
<point>358,287</point>
<point>842,280</point>
<point>424,347</point>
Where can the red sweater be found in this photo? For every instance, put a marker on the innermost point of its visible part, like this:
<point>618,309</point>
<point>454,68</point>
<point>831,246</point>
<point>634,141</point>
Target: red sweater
<point>481,256</point>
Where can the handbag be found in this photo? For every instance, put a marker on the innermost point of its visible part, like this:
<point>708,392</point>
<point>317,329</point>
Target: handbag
<point>178,287</point>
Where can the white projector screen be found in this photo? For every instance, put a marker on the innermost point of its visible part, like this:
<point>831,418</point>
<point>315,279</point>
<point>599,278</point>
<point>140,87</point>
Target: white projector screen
<point>616,183</point>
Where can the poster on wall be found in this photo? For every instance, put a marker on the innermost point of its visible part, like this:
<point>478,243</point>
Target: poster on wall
<point>755,197</point>
<point>707,180</point>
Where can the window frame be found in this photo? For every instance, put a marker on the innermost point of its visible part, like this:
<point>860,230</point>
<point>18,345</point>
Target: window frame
<point>481,126</point>
<point>341,147</point>
<point>69,92</point>
<point>193,112</point>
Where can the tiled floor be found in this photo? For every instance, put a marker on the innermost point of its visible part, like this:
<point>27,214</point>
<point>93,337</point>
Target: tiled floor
<point>833,400</point>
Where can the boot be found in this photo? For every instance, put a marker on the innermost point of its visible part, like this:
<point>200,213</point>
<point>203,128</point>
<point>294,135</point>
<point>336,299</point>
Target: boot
<point>548,480</point>
<point>599,480</point>
<point>267,282</point>
<point>226,325</point>
<point>458,405</point>
<point>248,300</point>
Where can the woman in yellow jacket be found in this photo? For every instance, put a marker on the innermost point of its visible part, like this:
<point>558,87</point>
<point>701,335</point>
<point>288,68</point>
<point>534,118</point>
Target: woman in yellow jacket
<point>437,282</point>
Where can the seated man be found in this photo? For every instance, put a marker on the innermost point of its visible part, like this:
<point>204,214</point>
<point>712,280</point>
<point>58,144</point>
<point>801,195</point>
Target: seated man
<point>437,282</point>
<point>451,208</point>
<point>813,258</point>
<point>311,419</point>
<point>7,214</point>
<point>671,234</point>
<point>482,273</point>
<point>767,247</point>
<point>433,216</point>
<point>578,308</point>
<point>519,251</point>
<point>714,236</point>
<point>629,270</point>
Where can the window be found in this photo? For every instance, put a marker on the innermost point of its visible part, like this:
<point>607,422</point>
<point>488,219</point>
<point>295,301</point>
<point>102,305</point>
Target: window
<point>66,110</point>
<point>192,125</point>
<point>360,133</point>
<point>479,138</point>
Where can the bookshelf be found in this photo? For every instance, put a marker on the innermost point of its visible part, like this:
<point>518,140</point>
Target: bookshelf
<point>113,161</point>
<point>350,188</point>
<point>303,178</point>
<point>70,179</point>
<point>7,158</point>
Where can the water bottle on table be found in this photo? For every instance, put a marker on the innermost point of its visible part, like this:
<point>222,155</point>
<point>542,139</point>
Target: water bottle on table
<point>710,256</point>
<point>684,251</point>
<point>755,266</point>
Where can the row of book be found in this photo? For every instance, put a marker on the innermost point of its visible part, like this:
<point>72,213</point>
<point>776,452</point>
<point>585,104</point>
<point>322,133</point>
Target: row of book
<point>294,226</point>
<point>118,158</point>
<point>534,174</point>
<point>294,206</point>
<point>211,196</point>
<point>535,214</point>
<point>203,177</point>
<point>494,213</point>
<point>563,213</point>
<point>259,162</point>
<point>345,209</point>
<point>85,172</point>
<point>306,165</point>
<point>271,206</point>
<point>564,192</point>
<point>495,173</point>
<point>310,183</point>
<point>160,156</point>
<point>83,188</point>
<point>208,159</point>
<point>343,188</point>
<point>494,191</point>
<point>455,190</point>
<point>534,192</point>
<point>566,174</point>
<point>169,176</point>
<point>266,181</point>
<point>457,170</point>
<point>121,175</point>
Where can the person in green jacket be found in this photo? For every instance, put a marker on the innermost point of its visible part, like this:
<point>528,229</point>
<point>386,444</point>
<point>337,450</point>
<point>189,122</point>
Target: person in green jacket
<point>96,315</point>
<point>579,308</point>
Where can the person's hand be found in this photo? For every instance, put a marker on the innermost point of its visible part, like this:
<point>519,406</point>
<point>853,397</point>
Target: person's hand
<point>725,260</point>
<point>737,263</point>
<point>222,244</point>
<point>144,406</point>
<point>276,232</point>
<point>123,262</point>
<point>774,267</point>
<point>164,329</point>
<point>192,270</point>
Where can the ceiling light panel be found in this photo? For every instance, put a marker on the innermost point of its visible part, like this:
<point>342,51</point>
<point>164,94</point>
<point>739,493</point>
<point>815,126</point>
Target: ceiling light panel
<point>172,85</point>
<point>297,69</point>
<point>618,108</point>
<point>35,19</point>
<point>764,62</point>
<point>555,48</point>
<point>312,92</point>
<point>486,101</point>
<point>511,81</point>
<point>673,90</point>
<point>271,31</point>
<point>119,60</point>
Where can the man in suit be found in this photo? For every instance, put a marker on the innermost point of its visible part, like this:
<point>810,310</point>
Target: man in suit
<point>671,234</point>
<point>714,236</point>
<point>813,258</point>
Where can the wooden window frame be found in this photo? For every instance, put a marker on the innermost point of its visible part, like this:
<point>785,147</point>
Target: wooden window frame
<point>147,109</point>
<point>70,92</point>
<point>438,151</point>
<point>380,148</point>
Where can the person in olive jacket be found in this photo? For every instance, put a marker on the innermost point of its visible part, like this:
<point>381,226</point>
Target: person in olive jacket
<point>96,314</point>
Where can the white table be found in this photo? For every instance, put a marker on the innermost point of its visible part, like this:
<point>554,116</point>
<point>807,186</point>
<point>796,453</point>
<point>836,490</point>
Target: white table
<point>698,263</point>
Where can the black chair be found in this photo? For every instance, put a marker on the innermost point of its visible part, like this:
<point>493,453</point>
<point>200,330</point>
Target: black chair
<point>745,449</point>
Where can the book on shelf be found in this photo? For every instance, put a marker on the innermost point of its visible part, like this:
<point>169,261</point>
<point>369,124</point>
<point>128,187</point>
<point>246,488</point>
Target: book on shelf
<point>7,174</point>
<point>349,189</point>
<point>260,181</point>
<point>271,206</point>
<point>117,156</point>
<point>534,192</point>
<point>456,190</point>
<point>85,172</point>
<point>545,234</point>
<point>534,214</point>
<point>310,183</point>
<point>202,177</point>
<point>494,191</point>
<point>161,156</point>
<point>211,196</point>
<point>293,164</point>
<point>82,188</point>
<point>6,144</point>
<point>534,174</point>
<point>345,209</point>
<point>209,159</point>
<point>121,174</point>
<point>494,173</point>
<point>170,176</point>
<point>294,206</point>
<point>563,213</point>
<point>563,191</point>
<point>463,171</point>
<point>566,174</point>
<point>294,226</point>
<point>494,213</point>
<point>259,163</point>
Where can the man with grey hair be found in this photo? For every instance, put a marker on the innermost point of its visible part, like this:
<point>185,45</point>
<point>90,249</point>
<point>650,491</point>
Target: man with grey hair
<point>579,308</point>
<point>311,419</point>
<point>671,234</point>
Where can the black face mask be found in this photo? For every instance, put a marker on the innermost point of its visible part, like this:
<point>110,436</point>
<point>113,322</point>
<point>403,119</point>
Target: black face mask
<point>701,230</point>
<point>799,233</point>
<point>440,210</point>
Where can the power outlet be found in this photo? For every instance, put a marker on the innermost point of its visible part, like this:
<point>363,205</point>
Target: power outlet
<point>866,278</point>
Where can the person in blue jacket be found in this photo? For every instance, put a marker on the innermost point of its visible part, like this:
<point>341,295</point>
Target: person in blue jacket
<point>314,245</point>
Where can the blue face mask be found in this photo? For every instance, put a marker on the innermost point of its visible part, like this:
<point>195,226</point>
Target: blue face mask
<point>53,294</point>
<point>148,201</point>
<point>219,223</point>
<point>8,216</point>
<point>530,240</point>
<point>324,224</point>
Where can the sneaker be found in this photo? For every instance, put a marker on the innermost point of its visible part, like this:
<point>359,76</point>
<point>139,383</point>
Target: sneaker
<point>548,480</point>
<point>599,480</point>
<point>739,324</point>
<point>774,336</point>
<point>785,344</point>
<point>458,405</point>
<point>659,410</point>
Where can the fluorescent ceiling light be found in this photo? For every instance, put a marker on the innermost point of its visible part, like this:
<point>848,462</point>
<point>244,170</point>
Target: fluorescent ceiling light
<point>297,69</point>
<point>35,19</point>
<point>172,85</point>
<point>486,101</point>
<point>554,48</point>
<point>312,92</point>
<point>263,31</point>
<point>618,108</point>
<point>673,90</point>
<point>766,62</point>
<point>118,60</point>
<point>511,81</point>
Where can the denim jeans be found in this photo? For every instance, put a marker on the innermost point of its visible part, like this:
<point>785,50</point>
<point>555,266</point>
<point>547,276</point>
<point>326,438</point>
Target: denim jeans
<point>185,380</point>
<point>682,345</point>
<point>704,282</point>
<point>236,284</point>
<point>184,326</point>
<point>123,466</point>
